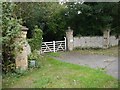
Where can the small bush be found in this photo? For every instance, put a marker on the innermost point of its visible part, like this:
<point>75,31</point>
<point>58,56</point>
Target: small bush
<point>36,40</point>
<point>37,57</point>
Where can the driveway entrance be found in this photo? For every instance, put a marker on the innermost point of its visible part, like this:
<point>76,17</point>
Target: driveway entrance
<point>109,63</point>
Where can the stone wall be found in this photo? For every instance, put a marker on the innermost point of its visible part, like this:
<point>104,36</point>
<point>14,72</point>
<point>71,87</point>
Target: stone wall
<point>113,41</point>
<point>94,42</point>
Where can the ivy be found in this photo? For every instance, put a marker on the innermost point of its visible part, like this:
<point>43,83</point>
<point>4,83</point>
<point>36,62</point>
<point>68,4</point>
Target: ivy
<point>11,29</point>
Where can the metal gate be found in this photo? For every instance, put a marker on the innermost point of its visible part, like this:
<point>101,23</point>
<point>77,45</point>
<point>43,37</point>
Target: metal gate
<point>53,46</point>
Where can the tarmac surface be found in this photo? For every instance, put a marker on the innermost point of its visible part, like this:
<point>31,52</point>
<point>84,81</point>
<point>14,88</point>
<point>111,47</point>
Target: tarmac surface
<point>108,63</point>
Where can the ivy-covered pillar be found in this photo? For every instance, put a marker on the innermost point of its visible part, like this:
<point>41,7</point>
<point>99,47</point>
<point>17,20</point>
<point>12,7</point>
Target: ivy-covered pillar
<point>106,38</point>
<point>21,60</point>
<point>69,39</point>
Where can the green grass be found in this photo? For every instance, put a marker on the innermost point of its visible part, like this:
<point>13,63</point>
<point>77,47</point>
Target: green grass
<point>54,54</point>
<point>112,51</point>
<point>56,74</point>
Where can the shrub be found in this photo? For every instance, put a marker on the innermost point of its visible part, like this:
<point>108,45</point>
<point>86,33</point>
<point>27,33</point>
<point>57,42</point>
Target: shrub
<point>37,57</point>
<point>11,29</point>
<point>36,40</point>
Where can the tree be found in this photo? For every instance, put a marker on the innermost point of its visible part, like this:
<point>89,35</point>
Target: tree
<point>116,20</point>
<point>103,14</point>
<point>47,16</point>
<point>53,18</point>
<point>91,18</point>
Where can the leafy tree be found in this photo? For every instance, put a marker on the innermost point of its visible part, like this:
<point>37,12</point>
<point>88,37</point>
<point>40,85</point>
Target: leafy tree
<point>103,14</point>
<point>55,24</point>
<point>91,18</point>
<point>53,18</point>
<point>116,20</point>
<point>30,14</point>
<point>47,16</point>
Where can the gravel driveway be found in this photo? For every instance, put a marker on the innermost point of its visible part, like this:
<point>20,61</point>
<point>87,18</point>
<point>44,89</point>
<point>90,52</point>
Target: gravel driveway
<point>109,63</point>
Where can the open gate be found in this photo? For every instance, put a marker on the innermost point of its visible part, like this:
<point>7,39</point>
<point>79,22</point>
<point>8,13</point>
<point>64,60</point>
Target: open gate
<point>53,46</point>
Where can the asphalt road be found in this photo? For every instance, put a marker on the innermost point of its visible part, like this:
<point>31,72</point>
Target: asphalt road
<point>109,63</point>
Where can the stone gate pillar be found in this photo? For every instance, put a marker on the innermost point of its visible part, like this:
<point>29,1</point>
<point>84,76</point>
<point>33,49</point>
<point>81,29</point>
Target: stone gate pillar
<point>69,39</point>
<point>21,60</point>
<point>106,38</point>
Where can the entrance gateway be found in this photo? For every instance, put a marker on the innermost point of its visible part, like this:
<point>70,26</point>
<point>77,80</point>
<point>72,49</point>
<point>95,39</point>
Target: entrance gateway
<point>71,42</point>
<point>53,46</point>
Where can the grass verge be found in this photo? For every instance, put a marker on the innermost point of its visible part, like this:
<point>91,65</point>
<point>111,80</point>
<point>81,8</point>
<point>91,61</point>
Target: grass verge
<point>56,74</point>
<point>112,51</point>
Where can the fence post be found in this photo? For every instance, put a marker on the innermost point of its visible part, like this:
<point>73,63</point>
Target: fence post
<point>54,46</point>
<point>65,43</point>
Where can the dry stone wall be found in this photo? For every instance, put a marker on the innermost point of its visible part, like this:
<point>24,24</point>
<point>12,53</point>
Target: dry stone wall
<point>94,42</point>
